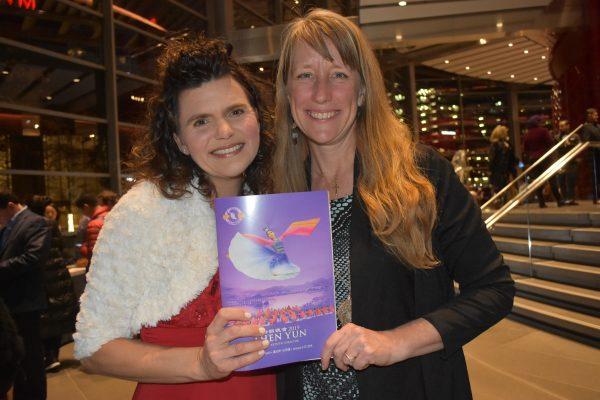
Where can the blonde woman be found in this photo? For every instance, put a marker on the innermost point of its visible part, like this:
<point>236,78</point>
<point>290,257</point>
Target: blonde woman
<point>502,158</point>
<point>403,227</point>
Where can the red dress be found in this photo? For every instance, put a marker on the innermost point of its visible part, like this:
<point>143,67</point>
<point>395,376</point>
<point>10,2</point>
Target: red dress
<point>187,329</point>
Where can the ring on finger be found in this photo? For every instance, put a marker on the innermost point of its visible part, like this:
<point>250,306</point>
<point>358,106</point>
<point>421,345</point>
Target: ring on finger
<point>351,359</point>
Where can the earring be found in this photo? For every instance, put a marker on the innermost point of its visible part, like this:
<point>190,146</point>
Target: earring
<point>294,133</point>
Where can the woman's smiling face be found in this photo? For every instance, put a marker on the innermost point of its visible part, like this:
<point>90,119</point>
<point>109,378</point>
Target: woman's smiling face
<point>324,95</point>
<point>218,129</point>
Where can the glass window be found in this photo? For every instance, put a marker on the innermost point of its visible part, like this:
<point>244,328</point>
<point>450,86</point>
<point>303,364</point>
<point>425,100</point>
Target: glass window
<point>132,101</point>
<point>36,80</point>
<point>160,17</point>
<point>54,26</point>
<point>136,53</point>
<point>38,142</point>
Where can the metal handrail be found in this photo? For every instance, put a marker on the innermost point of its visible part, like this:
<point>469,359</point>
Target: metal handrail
<point>537,182</point>
<point>531,167</point>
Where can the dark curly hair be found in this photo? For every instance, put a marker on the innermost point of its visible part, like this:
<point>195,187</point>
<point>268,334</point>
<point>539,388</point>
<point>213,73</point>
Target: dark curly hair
<point>187,63</point>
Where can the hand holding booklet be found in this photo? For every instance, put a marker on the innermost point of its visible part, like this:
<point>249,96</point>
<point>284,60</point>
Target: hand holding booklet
<point>276,261</point>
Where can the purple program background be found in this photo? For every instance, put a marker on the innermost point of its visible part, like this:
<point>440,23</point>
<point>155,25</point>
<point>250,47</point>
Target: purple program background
<point>313,288</point>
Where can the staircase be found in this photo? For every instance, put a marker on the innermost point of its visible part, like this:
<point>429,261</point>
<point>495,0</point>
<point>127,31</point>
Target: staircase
<point>556,267</point>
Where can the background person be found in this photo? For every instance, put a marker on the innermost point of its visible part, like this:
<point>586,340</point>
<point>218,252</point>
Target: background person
<point>404,227</point>
<point>24,247</point>
<point>59,318</point>
<point>106,201</point>
<point>154,269</point>
<point>591,132</point>
<point>568,175</point>
<point>536,142</point>
<point>502,160</point>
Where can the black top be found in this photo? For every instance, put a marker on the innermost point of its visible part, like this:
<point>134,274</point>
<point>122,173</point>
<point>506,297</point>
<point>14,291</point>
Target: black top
<point>380,283</point>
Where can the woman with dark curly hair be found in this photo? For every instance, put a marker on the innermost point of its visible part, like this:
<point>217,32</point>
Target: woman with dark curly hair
<point>151,310</point>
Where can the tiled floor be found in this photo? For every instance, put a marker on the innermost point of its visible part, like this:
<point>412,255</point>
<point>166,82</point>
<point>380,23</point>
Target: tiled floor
<point>510,361</point>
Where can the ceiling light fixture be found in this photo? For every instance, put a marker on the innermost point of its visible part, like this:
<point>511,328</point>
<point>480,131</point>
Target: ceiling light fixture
<point>401,3</point>
<point>489,72</point>
<point>261,69</point>
<point>510,44</point>
<point>398,36</point>
<point>76,80</point>
<point>543,57</point>
<point>48,98</point>
<point>535,78</point>
<point>526,51</point>
<point>499,24</point>
<point>482,41</point>
<point>467,68</point>
<point>5,72</point>
<point>512,75</point>
<point>446,61</point>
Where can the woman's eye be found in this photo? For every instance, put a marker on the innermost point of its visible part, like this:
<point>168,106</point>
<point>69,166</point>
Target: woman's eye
<point>237,112</point>
<point>304,75</point>
<point>340,75</point>
<point>200,122</point>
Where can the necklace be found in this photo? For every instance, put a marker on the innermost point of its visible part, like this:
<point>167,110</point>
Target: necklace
<point>335,187</point>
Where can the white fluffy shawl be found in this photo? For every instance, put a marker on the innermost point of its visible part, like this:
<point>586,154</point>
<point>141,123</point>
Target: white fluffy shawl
<point>153,256</point>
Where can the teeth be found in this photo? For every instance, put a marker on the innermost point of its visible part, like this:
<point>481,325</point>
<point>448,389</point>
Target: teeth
<point>228,150</point>
<point>321,115</point>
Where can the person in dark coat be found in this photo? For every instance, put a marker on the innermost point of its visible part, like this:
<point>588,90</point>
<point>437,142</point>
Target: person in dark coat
<point>502,159</point>
<point>403,227</point>
<point>11,350</point>
<point>24,249</point>
<point>591,132</point>
<point>568,175</point>
<point>536,143</point>
<point>59,317</point>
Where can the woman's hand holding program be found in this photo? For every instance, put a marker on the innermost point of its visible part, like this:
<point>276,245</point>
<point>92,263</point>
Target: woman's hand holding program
<point>219,357</point>
<point>359,347</point>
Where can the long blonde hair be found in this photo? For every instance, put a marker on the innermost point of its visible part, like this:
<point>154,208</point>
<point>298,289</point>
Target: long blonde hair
<point>500,133</point>
<point>398,198</point>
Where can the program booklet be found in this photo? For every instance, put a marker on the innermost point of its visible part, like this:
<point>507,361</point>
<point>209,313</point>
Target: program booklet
<point>276,261</point>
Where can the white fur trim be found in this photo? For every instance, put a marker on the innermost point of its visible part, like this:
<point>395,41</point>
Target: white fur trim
<point>153,256</point>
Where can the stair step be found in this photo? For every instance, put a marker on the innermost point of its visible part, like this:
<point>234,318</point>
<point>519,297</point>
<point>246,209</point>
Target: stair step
<point>586,276</point>
<point>562,217</point>
<point>577,253</point>
<point>539,248</point>
<point>571,321</point>
<point>559,292</point>
<point>595,218</point>
<point>586,235</point>
<point>538,232</point>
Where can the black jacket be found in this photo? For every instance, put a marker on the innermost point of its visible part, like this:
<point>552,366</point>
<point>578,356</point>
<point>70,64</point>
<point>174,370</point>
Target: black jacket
<point>22,257</point>
<point>468,256</point>
<point>59,317</point>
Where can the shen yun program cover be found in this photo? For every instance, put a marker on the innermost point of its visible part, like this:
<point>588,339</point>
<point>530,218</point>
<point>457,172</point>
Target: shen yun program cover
<point>276,261</point>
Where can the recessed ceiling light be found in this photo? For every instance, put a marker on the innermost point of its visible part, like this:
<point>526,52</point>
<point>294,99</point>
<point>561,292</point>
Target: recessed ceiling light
<point>5,72</point>
<point>510,44</point>
<point>499,24</point>
<point>398,36</point>
<point>543,57</point>
<point>512,75</point>
<point>76,80</point>
<point>251,26</point>
<point>48,97</point>
<point>446,61</point>
<point>526,51</point>
<point>261,69</point>
<point>36,126</point>
<point>401,3</point>
<point>467,68</point>
<point>489,72</point>
<point>482,41</point>
<point>535,78</point>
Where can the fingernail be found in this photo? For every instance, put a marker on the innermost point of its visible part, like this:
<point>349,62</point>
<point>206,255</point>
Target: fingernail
<point>261,352</point>
<point>262,330</point>
<point>247,315</point>
<point>265,343</point>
